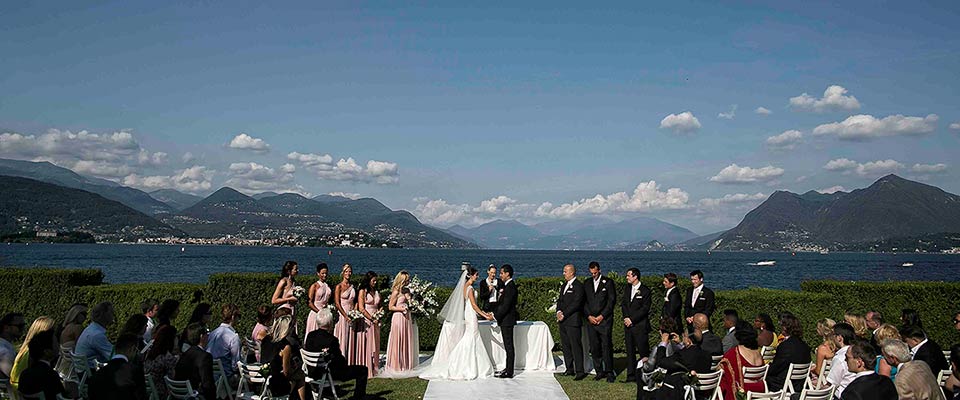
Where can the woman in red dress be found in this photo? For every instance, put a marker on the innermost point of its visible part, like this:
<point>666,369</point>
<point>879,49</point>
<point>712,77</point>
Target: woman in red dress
<point>745,354</point>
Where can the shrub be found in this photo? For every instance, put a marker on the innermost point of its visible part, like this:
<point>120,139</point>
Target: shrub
<point>39,291</point>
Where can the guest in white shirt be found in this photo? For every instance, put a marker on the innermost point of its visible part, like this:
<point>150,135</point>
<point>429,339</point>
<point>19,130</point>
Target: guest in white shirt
<point>11,328</point>
<point>149,308</point>
<point>840,376</point>
<point>224,342</point>
<point>93,342</point>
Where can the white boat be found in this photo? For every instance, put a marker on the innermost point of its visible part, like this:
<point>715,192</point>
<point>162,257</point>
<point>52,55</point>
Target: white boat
<point>824,251</point>
<point>766,263</point>
<point>906,265</point>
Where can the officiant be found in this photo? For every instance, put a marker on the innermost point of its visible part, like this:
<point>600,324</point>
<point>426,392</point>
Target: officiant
<point>489,289</point>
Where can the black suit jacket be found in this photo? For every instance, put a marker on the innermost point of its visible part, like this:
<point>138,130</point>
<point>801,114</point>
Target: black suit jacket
<point>690,358</point>
<point>40,377</point>
<point>672,306</point>
<point>319,340</point>
<point>791,350</point>
<point>119,379</point>
<point>484,292</point>
<point>932,354</point>
<point>871,387</point>
<point>600,301</point>
<point>712,344</point>
<point>570,303</point>
<point>636,308</point>
<point>506,313</point>
<point>196,366</point>
<point>705,304</point>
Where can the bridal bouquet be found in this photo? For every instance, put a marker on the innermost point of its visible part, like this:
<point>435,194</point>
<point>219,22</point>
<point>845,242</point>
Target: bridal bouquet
<point>355,315</point>
<point>423,297</point>
<point>555,295</point>
<point>299,291</point>
<point>379,314</point>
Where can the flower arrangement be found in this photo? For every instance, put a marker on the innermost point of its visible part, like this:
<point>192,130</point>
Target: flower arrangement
<point>299,291</point>
<point>555,295</point>
<point>355,315</point>
<point>379,314</point>
<point>423,297</point>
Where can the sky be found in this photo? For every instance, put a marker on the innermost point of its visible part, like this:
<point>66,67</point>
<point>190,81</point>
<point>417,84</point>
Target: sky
<point>692,113</point>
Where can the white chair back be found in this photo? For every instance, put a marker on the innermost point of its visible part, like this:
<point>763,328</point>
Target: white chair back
<point>250,345</point>
<point>946,354</point>
<point>179,390</point>
<point>768,352</point>
<point>817,394</point>
<point>755,374</point>
<point>79,373</point>
<point>709,384</point>
<point>152,393</point>
<point>220,377</point>
<point>63,363</point>
<point>824,371</point>
<point>250,374</point>
<point>778,395</point>
<point>942,380</point>
<point>796,372</point>
<point>314,360</point>
<point>715,362</point>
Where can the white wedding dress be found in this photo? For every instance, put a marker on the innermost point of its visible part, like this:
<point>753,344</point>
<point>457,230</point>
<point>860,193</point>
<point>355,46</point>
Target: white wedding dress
<point>467,359</point>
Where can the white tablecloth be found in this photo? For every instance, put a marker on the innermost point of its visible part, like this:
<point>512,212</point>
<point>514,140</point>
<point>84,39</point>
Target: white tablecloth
<point>532,341</point>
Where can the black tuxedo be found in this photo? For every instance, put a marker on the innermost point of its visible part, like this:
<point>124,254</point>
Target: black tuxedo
<point>712,344</point>
<point>320,340</point>
<point>637,309</point>
<point>40,377</point>
<point>196,366</point>
<point>932,354</point>
<point>600,302</point>
<point>672,307</point>
<point>691,358</point>
<point>507,316</point>
<point>871,387</point>
<point>119,379</point>
<point>484,295</point>
<point>791,350</point>
<point>705,304</point>
<point>570,303</point>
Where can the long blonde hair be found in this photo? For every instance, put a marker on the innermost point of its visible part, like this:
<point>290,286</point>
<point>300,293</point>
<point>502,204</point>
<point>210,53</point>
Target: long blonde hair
<point>398,281</point>
<point>887,331</point>
<point>825,330</point>
<point>39,325</point>
<point>858,323</point>
<point>281,328</point>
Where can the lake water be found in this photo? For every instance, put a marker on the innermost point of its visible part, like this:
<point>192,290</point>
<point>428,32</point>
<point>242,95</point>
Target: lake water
<point>163,263</point>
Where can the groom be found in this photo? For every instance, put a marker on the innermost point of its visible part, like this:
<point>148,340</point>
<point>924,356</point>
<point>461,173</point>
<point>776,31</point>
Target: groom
<point>506,314</point>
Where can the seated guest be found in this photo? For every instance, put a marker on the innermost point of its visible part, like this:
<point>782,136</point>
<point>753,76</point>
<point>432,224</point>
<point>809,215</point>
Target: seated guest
<point>956,321</point>
<point>766,331</point>
<point>953,383</point>
<point>136,325</point>
<point>224,342</point>
<point>745,354</point>
<point>910,317</point>
<point>93,342</point>
<point>709,341</point>
<point>40,324</point>
<point>924,349</point>
<point>202,314</point>
<point>323,340</point>
<point>162,358</point>
<point>73,325</point>
<point>149,308</point>
<point>840,375</point>
<point>121,378</point>
<point>874,320</point>
<point>690,358</point>
<point>40,376</point>
<point>884,332</point>
<point>279,348</point>
<point>914,380</point>
<point>11,328</point>
<point>168,311</point>
<point>866,384</point>
<point>649,364</point>
<point>827,349</point>
<point>195,364</point>
<point>730,320</point>
<point>264,320</point>
<point>791,350</point>
<point>858,323</point>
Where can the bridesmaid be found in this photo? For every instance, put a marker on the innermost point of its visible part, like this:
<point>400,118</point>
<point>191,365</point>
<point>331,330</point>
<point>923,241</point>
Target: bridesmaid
<point>368,329</point>
<point>319,294</point>
<point>402,346</point>
<point>343,299</point>
<point>283,294</point>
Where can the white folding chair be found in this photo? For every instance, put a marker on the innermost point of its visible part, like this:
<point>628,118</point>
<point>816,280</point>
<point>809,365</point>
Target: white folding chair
<point>817,394</point>
<point>797,372</point>
<point>946,354</point>
<point>710,384</point>
<point>942,377</point>
<point>314,360</point>
<point>755,374</point>
<point>824,371</point>
<point>715,362</point>
<point>768,352</point>
<point>179,390</point>
<point>220,377</point>
<point>63,363</point>
<point>248,346</point>
<point>152,393</point>
<point>79,373</point>
<point>250,374</point>
<point>778,395</point>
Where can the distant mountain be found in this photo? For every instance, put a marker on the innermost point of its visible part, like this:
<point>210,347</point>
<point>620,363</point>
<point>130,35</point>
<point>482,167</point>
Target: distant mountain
<point>702,242</point>
<point>326,198</point>
<point>591,234</point>
<point>177,200</point>
<point>49,173</point>
<point>29,205</point>
<point>625,233</point>
<point>892,207</point>
<point>568,226</point>
<point>260,196</point>
<point>501,234</point>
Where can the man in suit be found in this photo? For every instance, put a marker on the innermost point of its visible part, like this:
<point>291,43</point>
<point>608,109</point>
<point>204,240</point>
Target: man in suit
<point>699,299</point>
<point>489,289</point>
<point>672,302</point>
<point>915,380</point>
<point>195,364</point>
<point>569,319</point>
<point>601,296</point>
<point>507,316</point>
<point>866,385</point>
<point>635,308</point>
<point>792,350</point>
<point>730,319</point>
<point>322,340</point>
<point>121,378</point>
<point>874,320</point>
<point>923,348</point>
<point>690,357</point>
<point>40,376</point>
<point>709,341</point>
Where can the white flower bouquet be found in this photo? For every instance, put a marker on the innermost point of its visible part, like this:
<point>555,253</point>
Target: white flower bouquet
<point>423,297</point>
<point>355,315</point>
<point>299,291</point>
<point>379,314</point>
<point>555,295</point>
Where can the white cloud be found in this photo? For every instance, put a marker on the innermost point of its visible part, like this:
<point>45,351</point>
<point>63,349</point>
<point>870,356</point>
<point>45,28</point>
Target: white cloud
<point>247,142</point>
<point>872,168</point>
<point>251,178</point>
<point>348,195</point>
<point>929,168</point>
<point>647,196</point>
<point>730,114</point>
<point>684,122</point>
<point>786,140</point>
<point>104,169</point>
<point>382,172</point>
<point>188,158</point>
<point>108,155</point>
<point>737,198</point>
<point>151,159</point>
<point>736,174</point>
<point>866,127</point>
<point>309,160</point>
<point>832,189</point>
<point>955,126</point>
<point>195,179</point>
<point>348,169</point>
<point>835,98</point>
<point>763,111</point>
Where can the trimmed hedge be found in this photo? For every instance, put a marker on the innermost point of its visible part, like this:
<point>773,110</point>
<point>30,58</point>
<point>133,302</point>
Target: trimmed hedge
<point>36,292</point>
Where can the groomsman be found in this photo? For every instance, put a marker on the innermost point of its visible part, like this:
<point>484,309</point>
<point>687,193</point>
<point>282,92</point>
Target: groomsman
<point>570,320</point>
<point>635,307</point>
<point>489,289</point>
<point>672,303</point>
<point>507,316</point>
<point>601,295</point>
<point>699,299</point>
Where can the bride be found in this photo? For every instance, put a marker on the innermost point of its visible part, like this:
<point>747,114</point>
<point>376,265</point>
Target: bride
<point>460,354</point>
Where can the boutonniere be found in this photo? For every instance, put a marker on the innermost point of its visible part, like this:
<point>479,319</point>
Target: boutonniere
<point>603,290</point>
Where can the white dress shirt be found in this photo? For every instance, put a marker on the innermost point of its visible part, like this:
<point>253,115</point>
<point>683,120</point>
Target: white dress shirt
<point>840,376</point>
<point>634,289</point>
<point>493,292</point>
<point>93,342</point>
<point>148,334</point>
<point>7,355</point>
<point>596,284</point>
<point>568,285</point>
<point>666,296</point>
<point>913,350</point>
<point>696,295</point>
<point>224,345</point>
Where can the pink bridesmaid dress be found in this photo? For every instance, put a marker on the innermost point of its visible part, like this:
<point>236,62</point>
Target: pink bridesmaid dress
<point>367,350</point>
<point>320,299</point>
<point>403,346</point>
<point>344,328</point>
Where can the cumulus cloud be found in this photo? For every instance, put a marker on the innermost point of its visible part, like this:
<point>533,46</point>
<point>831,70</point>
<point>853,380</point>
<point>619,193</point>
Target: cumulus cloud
<point>729,114</point>
<point>188,158</point>
<point>866,127</point>
<point>786,140</point>
<point>647,196</point>
<point>348,169</point>
<point>872,168</point>
<point>196,179</point>
<point>684,122</point>
<point>762,111</point>
<point>738,198</point>
<point>735,174</point>
<point>955,126</point>
<point>835,98</point>
<point>832,189</point>
<point>108,155</point>
<point>250,178</point>
<point>244,141</point>
<point>352,196</point>
<point>929,168</point>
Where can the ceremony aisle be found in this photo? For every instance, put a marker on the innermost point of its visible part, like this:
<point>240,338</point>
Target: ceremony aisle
<point>540,385</point>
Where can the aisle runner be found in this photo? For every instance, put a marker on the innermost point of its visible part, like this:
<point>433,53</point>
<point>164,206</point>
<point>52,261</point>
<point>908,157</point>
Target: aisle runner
<point>540,385</point>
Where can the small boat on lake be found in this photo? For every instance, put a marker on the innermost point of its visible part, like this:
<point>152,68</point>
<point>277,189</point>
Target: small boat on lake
<point>766,263</point>
<point>907,264</point>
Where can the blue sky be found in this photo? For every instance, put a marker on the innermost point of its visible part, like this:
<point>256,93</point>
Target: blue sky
<point>466,114</point>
